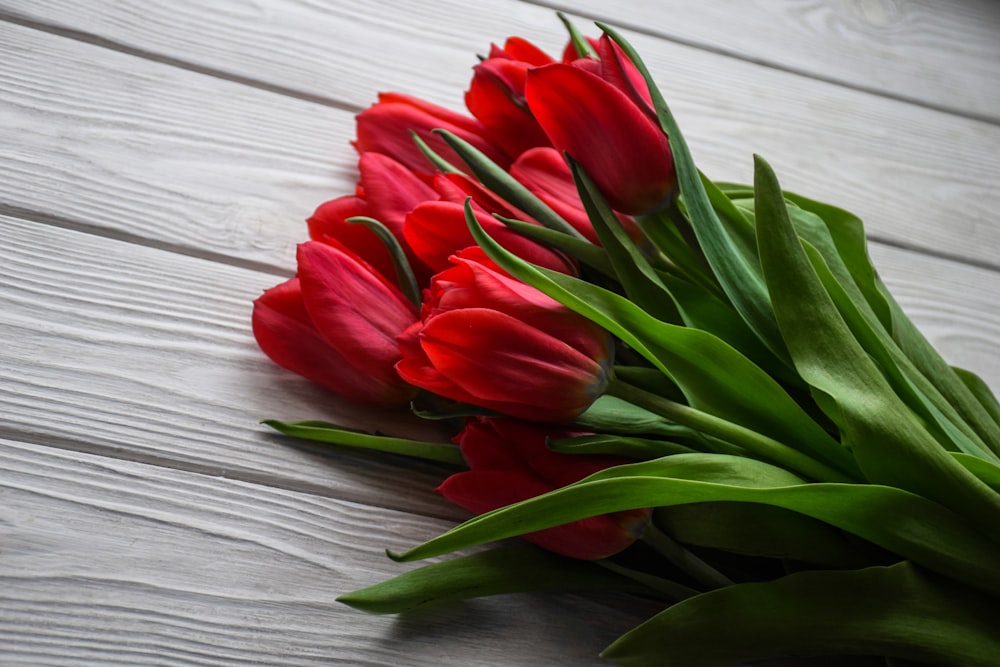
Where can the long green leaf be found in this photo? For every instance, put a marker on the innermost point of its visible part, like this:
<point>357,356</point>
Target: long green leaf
<point>899,611</point>
<point>337,435</point>
<point>890,444</point>
<point>715,377</point>
<point>724,240</point>
<point>898,521</point>
<point>506,186</point>
<point>510,569</point>
<point>771,532</point>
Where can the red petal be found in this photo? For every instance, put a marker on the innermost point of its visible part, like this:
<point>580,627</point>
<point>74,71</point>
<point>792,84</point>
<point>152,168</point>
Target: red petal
<point>498,358</point>
<point>391,190</point>
<point>355,310</point>
<point>599,126</point>
<point>437,230</point>
<point>330,222</point>
<point>285,333</point>
<point>385,128</point>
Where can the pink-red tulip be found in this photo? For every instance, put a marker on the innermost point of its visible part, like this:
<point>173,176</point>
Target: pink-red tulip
<point>509,462</point>
<point>336,324</point>
<point>385,128</point>
<point>492,341</point>
<point>438,230</point>
<point>546,174</point>
<point>614,140</point>
<point>496,97</point>
<point>386,191</point>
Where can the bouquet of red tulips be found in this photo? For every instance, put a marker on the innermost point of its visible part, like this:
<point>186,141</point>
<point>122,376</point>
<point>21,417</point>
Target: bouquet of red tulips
<point>695,391</point>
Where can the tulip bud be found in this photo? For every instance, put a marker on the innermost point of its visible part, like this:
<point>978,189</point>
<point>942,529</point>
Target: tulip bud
<point>386,191</point>
<point>386,126</point>
<point>510,461</point>
<point>617,144</point>
<point>545,173</point>
<point>492,341</point>
<point>335,324</point>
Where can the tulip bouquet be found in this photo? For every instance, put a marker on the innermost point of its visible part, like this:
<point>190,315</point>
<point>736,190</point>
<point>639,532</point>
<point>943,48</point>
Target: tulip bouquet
<point>693,391</point>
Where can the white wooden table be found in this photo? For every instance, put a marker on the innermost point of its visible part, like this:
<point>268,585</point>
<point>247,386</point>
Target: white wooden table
<point>157,159</point>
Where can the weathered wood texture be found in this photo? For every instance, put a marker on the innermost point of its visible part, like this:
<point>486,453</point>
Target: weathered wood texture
<point>108,562</point>
<point>901,167</point>
<point>158,159</point>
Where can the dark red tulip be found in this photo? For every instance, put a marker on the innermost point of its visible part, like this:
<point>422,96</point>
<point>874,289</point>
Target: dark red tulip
<point>510,461</point>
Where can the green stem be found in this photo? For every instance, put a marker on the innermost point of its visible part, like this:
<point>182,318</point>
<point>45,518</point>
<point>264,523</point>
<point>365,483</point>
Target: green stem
<point>687,562</point>
<point>671,590</point>
<point>756,444</point>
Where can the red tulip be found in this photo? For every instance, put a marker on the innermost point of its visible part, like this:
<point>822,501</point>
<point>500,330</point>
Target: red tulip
<point>385,128</point>
<point>616,143</point>
<point>509,462</point>
<point>336,324</point>
<point>546,174</point>
<point>496,98</point>
<point>437,230</point>
<point>387,191</point>
<point>489,340</point>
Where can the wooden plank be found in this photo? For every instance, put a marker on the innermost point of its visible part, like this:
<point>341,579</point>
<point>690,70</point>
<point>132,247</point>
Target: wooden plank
<point>98,140</point>
<point>144,354</point>
<point>144,149</point>
<point>118,563</point>
<point>941,55</point>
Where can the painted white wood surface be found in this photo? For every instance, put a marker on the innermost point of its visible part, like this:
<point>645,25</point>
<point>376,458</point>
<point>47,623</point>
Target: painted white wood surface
<point>156,162</point>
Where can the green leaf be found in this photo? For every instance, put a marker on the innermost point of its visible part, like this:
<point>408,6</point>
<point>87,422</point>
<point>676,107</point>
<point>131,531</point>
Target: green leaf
<point>620,445</point>
<point>609,414</point>
<point>336,435</point>
<point>853,290</point>
<point>439,162</point>
<point>898,521</point>
<point>716,379</point>
<point>988,472</point>
<point>640,281</point>
<point>506,186</point>
<point>933,366</point>
<point>404,272</point>
<point>771,532</point>
<point>510,569</point>
<point>981,391</point>
<point>580,43</point>
<point>574,246</point>
<point>724,240</point>
<point>899,611</point>
<point>890,444</point>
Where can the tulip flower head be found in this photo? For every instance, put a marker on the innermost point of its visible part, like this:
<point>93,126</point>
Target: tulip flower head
<point>335,324</point>
<point>492,341</point>
<point>510,461</point>
<point>619,146</point>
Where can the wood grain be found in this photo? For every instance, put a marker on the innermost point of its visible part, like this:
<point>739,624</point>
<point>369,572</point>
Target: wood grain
<point>144,354</point>
<point>185,160</point>
<point>941,55</point>
<point>116,563</point>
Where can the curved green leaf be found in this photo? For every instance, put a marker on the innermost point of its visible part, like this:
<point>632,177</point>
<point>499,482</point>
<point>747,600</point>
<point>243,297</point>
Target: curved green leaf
<point>899,611</point>
<point>337,435</point>
<point>903,523</point>
<point>715,377</point>
<point>510,569</point>
<point>726,240</point>
<point>631,447</point>
<point>404,272</point>
<point>890,444</point>
<point>505,185</point>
